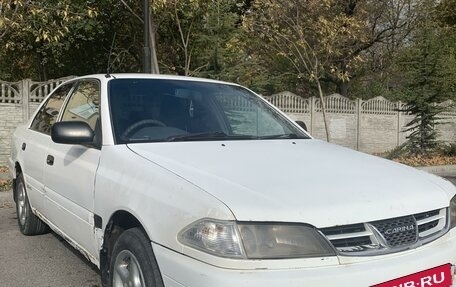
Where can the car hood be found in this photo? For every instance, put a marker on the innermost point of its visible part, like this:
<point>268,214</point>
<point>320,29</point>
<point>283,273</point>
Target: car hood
<point>306,181</point>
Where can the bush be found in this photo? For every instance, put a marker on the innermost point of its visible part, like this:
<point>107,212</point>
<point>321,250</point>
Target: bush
<point>449,150</point>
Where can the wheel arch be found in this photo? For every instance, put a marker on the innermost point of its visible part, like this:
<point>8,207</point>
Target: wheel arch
<point>119,221</point>
<point>17,171</point>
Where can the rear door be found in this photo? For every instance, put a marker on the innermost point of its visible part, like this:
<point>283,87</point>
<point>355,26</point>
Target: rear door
<point>70,175</point>
<point>37,142</point>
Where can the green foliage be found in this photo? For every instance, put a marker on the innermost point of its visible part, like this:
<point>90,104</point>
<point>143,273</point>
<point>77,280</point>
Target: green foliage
<point>427,77</point>
<point>360,48</point>
<point>396,152</point>
<point>38,36</point>
<point>370,88</point>
<point>196,36</point>
<point>446,12</point>
<point>310,35</point>
<point>449,150</point>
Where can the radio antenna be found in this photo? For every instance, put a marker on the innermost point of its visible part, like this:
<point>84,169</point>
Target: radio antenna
<point>109,57</point>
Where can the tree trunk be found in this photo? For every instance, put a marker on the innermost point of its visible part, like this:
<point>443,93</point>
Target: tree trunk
<point>42,71</point>
<point>342,88</point>
<point>323,109</point>
<point>153,47</point>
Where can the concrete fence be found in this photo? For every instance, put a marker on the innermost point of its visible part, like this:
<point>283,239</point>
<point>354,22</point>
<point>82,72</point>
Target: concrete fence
<point>373,126</point>
<point>18,101</point>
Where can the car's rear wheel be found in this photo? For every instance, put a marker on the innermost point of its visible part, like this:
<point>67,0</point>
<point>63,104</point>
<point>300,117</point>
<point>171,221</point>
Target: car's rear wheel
<point>133,262</point>
<point>29,223</point>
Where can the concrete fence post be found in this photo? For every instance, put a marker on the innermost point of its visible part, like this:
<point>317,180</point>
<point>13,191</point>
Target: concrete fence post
<point>399,125</point>
<point>312,114</point>
<point>358,122</point>
<point>25,95</point>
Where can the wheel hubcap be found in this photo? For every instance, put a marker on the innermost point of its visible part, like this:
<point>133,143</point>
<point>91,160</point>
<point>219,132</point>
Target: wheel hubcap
<point>21,203</point>
<point>127,271</point>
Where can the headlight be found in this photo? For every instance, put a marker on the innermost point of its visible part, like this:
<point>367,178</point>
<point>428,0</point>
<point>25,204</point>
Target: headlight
<point>212,236</point>
<point>272,241</point>
<point>453,212</point>
<point>256,240</point>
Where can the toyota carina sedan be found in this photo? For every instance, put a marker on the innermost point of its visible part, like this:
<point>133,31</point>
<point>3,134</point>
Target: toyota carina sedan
<point>186,182</point>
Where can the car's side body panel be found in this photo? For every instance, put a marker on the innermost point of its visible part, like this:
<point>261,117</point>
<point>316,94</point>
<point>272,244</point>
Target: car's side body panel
<point>69,185</point>
<point>91,257</point>
<point>65,205</point>
<point>16,155</point>
<point>69,178</point>
<point>162,201</point>
<point>33,167</point>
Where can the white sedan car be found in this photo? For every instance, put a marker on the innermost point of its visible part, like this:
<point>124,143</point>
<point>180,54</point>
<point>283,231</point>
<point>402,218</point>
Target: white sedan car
<point>175,181</point>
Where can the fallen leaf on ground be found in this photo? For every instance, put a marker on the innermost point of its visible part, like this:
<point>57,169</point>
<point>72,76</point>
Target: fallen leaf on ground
<point>426,160</point>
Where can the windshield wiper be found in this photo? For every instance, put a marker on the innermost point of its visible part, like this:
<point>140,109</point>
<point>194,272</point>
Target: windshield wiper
<point>207,136</point>
<point>282,136</point>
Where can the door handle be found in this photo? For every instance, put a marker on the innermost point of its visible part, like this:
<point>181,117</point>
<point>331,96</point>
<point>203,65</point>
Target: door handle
<point>24,145</point>
<point>50,160</point>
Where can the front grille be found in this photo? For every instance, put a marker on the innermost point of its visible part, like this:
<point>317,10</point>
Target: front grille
<point>349,242</point>
<point>354,228</point>
<point>427,226</point>
<point>424,215</point>
<point>386,236</point>
<point>430,223</point>
<point>351,238</point>
<point>398,231</point>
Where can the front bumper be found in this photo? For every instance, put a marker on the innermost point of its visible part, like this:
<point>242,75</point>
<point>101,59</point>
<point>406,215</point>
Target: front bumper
<point>182,271</point>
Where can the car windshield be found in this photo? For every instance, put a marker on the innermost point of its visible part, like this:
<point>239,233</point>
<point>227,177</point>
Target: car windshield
<point>158,110</point>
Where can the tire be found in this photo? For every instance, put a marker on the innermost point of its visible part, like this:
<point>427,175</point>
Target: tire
<point>29,223</point>
<point>133,262</point>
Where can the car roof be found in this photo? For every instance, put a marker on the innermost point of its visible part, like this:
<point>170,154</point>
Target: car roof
<point>108,77</point>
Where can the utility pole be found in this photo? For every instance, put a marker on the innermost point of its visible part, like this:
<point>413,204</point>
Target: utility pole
<point>147,58</point>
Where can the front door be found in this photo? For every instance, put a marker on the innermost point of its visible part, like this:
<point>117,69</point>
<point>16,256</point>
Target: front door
<point>70,171</point>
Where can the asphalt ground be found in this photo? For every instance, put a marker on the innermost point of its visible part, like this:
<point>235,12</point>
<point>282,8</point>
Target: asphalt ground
<point>39,261</point>
<point>43,260</point>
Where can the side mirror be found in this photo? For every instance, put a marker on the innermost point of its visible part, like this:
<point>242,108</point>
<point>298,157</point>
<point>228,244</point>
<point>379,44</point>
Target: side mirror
<point>302,125</point>
<point>72,133</point>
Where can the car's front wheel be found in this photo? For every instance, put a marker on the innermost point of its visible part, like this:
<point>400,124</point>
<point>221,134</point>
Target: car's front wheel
<point>133,262</point>
<point>29,223</point>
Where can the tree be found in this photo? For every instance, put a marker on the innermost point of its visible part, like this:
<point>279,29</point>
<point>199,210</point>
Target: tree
<point>446,12</point>
<point>32,30</point>
<point>186,34</point>
<point>46,20</point>
<point>309,35</point>
<point>152,30</point>
<point>428,72</point>
<point>194,36</point>
<point>387,30</point>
